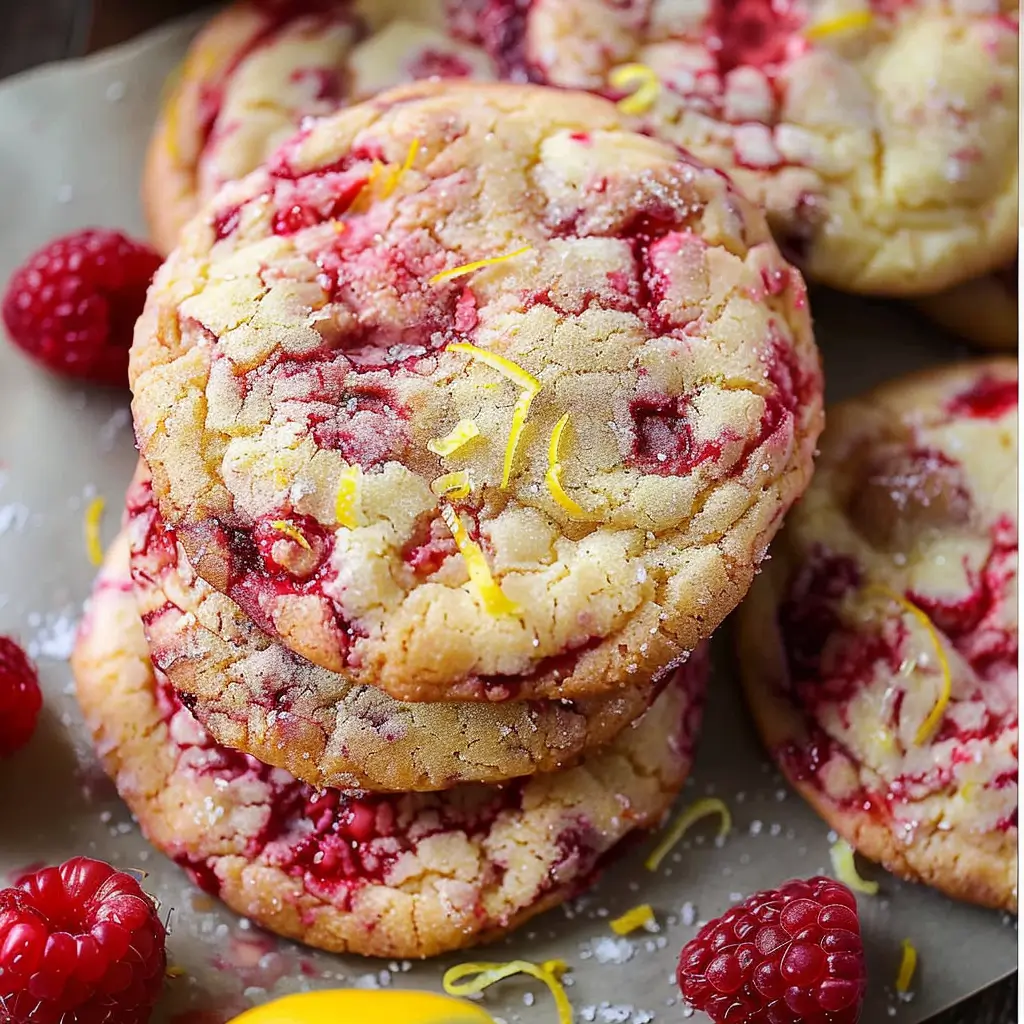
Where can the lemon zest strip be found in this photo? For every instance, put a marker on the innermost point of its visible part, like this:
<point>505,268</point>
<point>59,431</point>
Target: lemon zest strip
<point>908,964</point>
<point>345,501</point>
<point>93,543</point>
<point>647,87</point>
<point>462,433</point>
<point>697,810</point>
<point>468,268</point>
<point>395,174</point>
<point>930,723</point>
<point>843,864</point>
<point>553,477</point>
<point>637,917</point>
<point>549,972</point>
<point>291,532</point>
<point>452,485</point>
<point>515,373</point>
<point>174,971</point>
<point>493,597</point>
<point>849,22</point>
<point>520,411</point>
<point>505,367</point>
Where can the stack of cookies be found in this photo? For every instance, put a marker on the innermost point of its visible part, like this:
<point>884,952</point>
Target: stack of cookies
<point>464,421</point>
<point>468,411</point>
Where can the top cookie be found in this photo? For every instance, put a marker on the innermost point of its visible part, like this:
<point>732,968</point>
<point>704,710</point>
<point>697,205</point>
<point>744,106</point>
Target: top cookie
<point>260,66</point>
<point>880,137</point>
<point>546,474</point>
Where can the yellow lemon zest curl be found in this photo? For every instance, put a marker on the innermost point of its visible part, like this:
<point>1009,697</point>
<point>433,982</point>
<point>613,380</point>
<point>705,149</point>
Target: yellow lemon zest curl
<point>468,268</point>
<point>843,864</point>
<point>637,917</point>
<point>697,810</point>
<point>908,964</point>
<point>553,477</point>
<point>452,485</point>
<point>644,79</point>
<point>93,517</point>
<point>291,532</point>
<point>549,972</point>
<point>345,501</point>
<point>461,434</point>
<point>852,21</point>
<point>930,723</point>
<point>515,373</point>
<point>493,597</point>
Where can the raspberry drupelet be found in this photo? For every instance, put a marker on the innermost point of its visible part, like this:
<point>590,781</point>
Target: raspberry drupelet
<point>79,944</point>
<point>791,955</point>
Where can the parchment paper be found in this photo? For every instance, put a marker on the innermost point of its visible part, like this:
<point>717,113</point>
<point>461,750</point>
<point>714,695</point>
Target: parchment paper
<point>71,146</point>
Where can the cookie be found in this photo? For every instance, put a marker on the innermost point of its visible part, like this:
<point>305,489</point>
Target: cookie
<point>984,311</point>
<point>261,66</point>
<point>399,875</point>
<point>881,138</point>
<point>256,696</point>
<point>473,395</point>
<point>879,645</point>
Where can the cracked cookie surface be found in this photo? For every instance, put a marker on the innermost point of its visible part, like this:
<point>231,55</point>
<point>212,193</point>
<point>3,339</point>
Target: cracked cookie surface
<point>546,476</point>
<point>983,311</point>
<point>392,875</point>
<point>255,695</point>
<point>879,646</point>
<point>880,137</point>
<point>260,66</point>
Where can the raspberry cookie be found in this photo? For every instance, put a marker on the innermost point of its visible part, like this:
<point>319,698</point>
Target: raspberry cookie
<point>261,66</point>
<point>408,875</point>
<point>258,697</point>
<point>472,395</point>
<point>879,647</point>
<point>880,137</point>
<point>984,311</point>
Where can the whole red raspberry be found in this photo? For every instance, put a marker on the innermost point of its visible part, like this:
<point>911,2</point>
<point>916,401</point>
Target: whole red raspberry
<point>73,305</point>
<point>784,956</point>
<point>20,697</point>
<point>79,944</point>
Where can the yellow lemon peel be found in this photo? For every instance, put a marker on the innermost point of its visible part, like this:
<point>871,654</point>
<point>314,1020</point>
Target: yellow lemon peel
<point>852,21</point>
<point>93,542</point>
<point>493,597</point>
<point>644,79</point>
<point>452,485</point>
<point>291,532</point>
<point>845,867</point>
<point>174,971</point>
<point>483,975</point>
<point>553,477</point>
<point>908,964</point>
<point>515,373</point>
<point>461,434</point>
<point>637,917</point>
<point>930,723</point>
<point>697,810</point>
<point>395,174</point>
<point>520,412</point>
<point>468,268</point>
<point>345,500</point>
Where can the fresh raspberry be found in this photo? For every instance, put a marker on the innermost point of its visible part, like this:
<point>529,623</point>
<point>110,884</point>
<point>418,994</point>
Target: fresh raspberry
<point>20,697</point>
<point>79,944</point>
<point>73,305</point>
<point>785,956</point>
